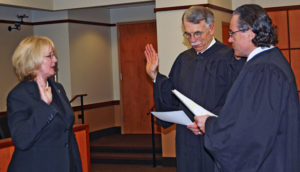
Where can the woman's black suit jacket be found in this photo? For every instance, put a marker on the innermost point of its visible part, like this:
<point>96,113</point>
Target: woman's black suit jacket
<point>42,134</point>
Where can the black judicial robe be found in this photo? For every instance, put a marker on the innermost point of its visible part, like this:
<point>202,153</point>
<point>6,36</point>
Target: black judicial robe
<point>206,79</point>
<point>258,128</point>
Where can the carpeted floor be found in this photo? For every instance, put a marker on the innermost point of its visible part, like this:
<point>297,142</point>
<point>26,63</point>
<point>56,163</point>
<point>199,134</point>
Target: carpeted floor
<point>114,145</point>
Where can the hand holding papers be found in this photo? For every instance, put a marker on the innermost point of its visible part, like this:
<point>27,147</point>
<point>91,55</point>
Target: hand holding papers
<point>192,106</point>
<point>178,117</point>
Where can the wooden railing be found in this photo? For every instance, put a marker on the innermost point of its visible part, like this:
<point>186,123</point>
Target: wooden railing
<point>82,137</point>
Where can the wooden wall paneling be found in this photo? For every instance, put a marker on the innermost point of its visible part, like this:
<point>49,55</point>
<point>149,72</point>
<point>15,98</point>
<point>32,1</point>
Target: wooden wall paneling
<point>294,23</point>
<point>279,19</point>
<point>286,54</point>
<point>225,33</point>
<point>295,63</point>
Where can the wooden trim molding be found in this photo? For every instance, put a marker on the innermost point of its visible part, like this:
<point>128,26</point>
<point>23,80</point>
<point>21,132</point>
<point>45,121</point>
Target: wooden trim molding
<point>283,8</point>
<point>60,21</point>
<point>294,48</point>
<point>13,22</point>
<point>88,106</point>
<point>73,21</point>
<point>97,105</point>
<point>188,6</point>
<point>171,8</point>
<point>280,49</point>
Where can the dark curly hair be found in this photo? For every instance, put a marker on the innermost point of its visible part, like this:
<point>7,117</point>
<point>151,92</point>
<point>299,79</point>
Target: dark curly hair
<point>254,17</point>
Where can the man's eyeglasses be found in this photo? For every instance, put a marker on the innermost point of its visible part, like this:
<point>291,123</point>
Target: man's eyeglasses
<point>230,33</point>
<point>196,34</point>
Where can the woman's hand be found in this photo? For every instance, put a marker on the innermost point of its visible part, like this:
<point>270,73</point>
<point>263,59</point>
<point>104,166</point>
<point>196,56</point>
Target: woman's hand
<point>45,90</point>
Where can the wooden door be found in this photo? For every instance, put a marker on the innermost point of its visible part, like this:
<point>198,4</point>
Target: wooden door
<point>136,86</point>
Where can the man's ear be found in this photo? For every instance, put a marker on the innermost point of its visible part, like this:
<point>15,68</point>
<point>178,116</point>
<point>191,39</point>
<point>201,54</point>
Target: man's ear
<point>250,34</point>
<point>212,29</point>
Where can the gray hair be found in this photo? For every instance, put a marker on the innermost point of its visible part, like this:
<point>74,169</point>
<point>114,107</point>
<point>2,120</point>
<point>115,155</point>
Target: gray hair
<point>197,13</point>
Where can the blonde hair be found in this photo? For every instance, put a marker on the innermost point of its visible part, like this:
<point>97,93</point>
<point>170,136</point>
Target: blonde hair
<point>28,56</point>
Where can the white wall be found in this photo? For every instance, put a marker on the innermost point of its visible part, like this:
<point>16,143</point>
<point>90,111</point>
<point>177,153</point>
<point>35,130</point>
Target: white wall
<point>83,50</point>
<point>41,16</point>
<point>59,34</point>
<point>100,15</point>
<point>10,13</point>
<point>72,4</point>
<point>172,3</point>
<point>91,68</point>
<point>8,43</point>
<point>223,3</point>
<point>40,4</point>
<point>265,3</point>
<point>170,40</point>
<point>219,18</point>
<point>67,4</point>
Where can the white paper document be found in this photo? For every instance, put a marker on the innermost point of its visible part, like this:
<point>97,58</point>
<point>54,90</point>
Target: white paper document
<point>191,105</point>
<point>178,117</point>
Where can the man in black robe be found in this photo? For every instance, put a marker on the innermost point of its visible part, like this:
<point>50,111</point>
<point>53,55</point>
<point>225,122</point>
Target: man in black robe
<point>258,128</point>
<point>203,73</point>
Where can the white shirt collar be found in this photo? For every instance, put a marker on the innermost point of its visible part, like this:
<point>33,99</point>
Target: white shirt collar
<point>257,51</point>
<point>213,41</point>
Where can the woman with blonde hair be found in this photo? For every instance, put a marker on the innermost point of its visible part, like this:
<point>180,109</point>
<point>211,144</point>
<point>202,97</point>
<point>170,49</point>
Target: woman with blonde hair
<point>40,117</point>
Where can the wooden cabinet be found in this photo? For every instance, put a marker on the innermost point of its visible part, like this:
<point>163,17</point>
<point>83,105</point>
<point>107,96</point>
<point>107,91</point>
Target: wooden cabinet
<point>82,136</point>
<point>286,20</point>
